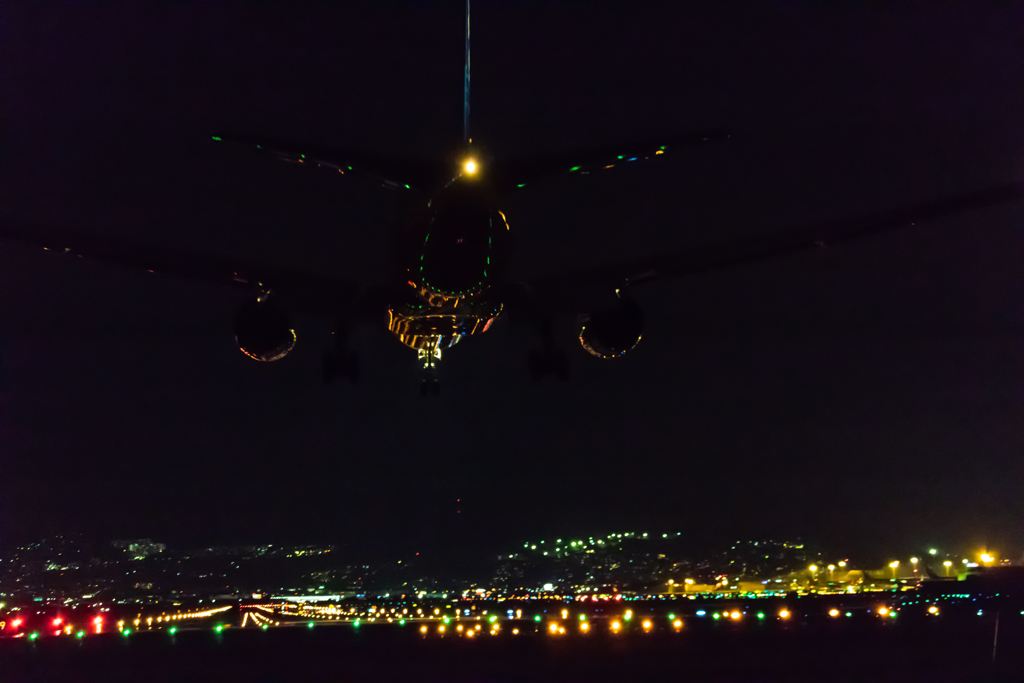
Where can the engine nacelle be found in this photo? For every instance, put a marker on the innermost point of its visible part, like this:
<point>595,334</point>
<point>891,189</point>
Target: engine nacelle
<point>263,331</point>
<point>611,331</point>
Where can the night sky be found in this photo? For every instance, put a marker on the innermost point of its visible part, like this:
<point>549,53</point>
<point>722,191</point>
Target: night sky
<point>867,396</point>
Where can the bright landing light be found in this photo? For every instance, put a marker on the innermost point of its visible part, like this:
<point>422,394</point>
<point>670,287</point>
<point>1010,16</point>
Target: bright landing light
<point>470,166</point>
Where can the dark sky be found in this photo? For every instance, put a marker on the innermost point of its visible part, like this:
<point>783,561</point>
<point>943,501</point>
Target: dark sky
<point>867,397</point>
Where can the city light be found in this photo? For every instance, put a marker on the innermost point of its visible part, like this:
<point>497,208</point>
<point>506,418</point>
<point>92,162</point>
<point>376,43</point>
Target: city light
<point>933,551</point>
<point>813,568</point>
<point>985,557</point>
<point>470,166</point>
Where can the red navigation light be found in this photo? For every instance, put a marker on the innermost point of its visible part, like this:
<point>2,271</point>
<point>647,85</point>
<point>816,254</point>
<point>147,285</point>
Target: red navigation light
<point>16,623</point>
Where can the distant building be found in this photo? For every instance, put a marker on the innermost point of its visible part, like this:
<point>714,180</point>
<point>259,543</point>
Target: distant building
<point>140,548</point>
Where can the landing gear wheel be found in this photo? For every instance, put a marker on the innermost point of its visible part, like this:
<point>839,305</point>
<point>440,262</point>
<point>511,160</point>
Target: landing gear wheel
<point>560,364</point>
<point>535,362</point>
<point>335,367</point>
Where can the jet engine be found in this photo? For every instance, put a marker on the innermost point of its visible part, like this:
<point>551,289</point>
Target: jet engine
<point>611,331</point>
<point>263,331</point>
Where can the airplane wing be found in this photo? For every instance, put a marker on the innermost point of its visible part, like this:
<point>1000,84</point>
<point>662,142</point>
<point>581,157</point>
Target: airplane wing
<point>401,174</point>
<point>577,289</point>
<point>307,292</point>
<point>518,173</point>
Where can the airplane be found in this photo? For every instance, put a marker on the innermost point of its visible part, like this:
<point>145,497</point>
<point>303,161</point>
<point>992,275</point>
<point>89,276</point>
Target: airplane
<point>450,280</point>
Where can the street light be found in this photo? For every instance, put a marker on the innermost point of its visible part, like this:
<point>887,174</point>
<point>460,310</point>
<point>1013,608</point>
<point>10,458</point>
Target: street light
<point>831,568</point>
<point>894,564</point>
<point>985,557</point>
<point>947,564</point>
<point>914,561</point>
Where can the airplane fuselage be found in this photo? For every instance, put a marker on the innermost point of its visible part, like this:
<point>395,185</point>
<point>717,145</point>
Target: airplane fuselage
<point>452,256</point>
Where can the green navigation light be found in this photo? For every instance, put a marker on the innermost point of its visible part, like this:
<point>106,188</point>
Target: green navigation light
<point>574,168</point>
<point>215,138</point>
<point>310,625</point>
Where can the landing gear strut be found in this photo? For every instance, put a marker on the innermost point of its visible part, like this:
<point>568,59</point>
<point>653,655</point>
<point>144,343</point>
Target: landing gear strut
<point>430,357</point>
<point>549,360</point>
<point>341,362</point>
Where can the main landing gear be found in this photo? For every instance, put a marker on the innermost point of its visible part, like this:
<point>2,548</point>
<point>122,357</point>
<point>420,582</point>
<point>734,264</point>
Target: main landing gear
<point>549,360</point>
<point>341,362</point>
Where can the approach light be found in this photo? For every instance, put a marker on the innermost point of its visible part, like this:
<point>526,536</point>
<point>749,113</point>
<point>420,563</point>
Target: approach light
<point>470,166</point>
<point>833,612</point>
<point>883,610</point>
<point>677,623</point>
<point>933,610</point>
<point>784,614</point>
<point>616,626</point>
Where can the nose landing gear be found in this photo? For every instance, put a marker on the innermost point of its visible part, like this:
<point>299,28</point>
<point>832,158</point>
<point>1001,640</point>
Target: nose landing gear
<point>430,358</point>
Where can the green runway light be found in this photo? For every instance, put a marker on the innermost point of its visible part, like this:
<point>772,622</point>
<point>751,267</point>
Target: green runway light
<point>671,617</point>
<point>716,615</point>
<point>264,627</point>
<point>537,618</point>
<point>574,168</point>
<point>492,618</point>
<point>33,636</point>
<point>174,629</point>
<point>309,625</point>
<point>521,185</point>
<point>401,622</point>
<point>80,634</point>
<point>126,632</point>
<point>216,138</point>
<point>621,157</point>
<point>760,615</point>
<point>356,623</point>
<point>408,187</point>
<point>303,156</point>
<point>218,628</point>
